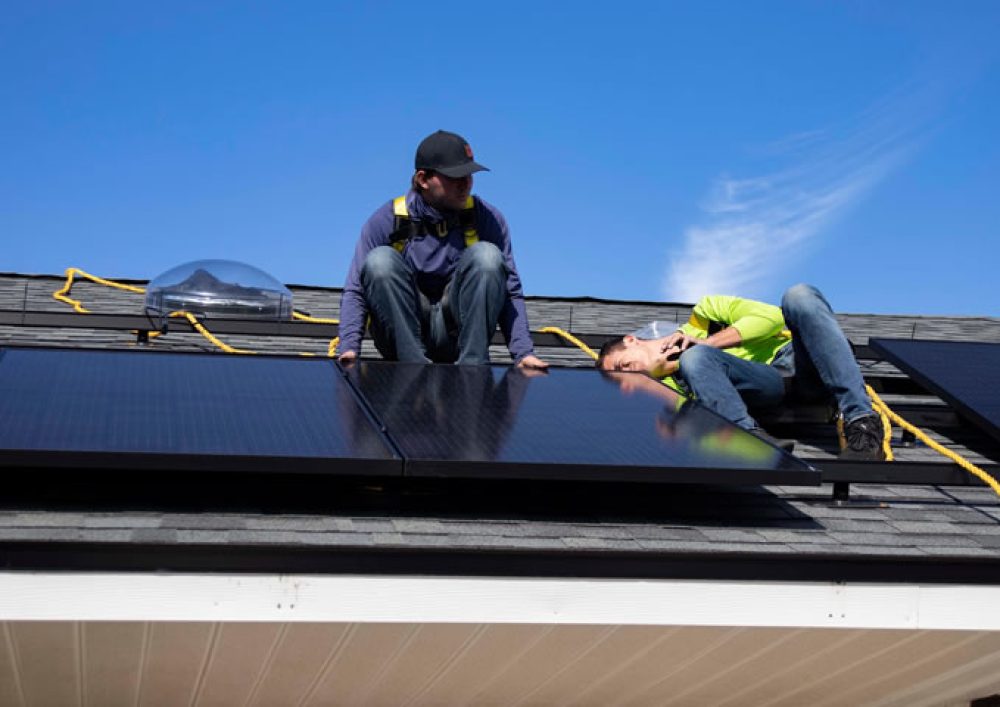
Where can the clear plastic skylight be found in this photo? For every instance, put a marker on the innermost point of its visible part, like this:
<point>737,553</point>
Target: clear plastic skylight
<point>219,289</point>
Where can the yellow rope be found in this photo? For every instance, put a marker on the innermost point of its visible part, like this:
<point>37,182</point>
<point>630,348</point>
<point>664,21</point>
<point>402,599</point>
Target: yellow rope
<point>886,433</point>
<point>313,320</point>
<point>570,338</point>
<point>331,349</point>
<point>882,410</point>
<point>62,294</point>
<point>940,449</point>
<point>193,321</point>
<point>200,328</point>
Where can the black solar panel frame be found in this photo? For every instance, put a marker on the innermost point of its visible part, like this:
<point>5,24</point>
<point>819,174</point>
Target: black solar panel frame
<point>431,468</point>
<point>418,467</point>
<point>883,347</point>
<point>206,462</point>
<point>397,466</point>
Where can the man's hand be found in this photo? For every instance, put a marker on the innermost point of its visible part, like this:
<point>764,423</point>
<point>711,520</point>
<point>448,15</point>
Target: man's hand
<point>678,340</point>
<point>672,362</point>
<point>348,357</point>
<point>532,362</point>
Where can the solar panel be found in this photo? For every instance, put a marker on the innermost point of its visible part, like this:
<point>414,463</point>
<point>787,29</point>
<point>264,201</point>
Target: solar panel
<point>482,421</point>
<point>118,409</point>
<point>965,374</point>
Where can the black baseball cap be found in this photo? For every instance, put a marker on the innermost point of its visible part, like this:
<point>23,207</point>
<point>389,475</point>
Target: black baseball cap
<point>448,154</point>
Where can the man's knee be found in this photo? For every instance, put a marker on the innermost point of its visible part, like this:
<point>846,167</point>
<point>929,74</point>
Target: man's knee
<point>799,297</point>
<point>381,262</point>
<point>484,257</point>
<point>803,302</point>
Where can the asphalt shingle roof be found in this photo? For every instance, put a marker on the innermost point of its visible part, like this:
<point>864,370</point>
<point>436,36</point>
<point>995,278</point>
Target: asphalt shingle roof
<point>331,518</point>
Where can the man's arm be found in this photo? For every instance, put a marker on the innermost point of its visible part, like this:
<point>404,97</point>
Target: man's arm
<point>691,335</point>
<point>353,308</point>
<point>513,316</point>
<point>742,320</point>
<point>724,339</point>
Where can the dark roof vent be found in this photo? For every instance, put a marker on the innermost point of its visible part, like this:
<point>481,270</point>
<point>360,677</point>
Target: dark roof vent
<point>219,289</point>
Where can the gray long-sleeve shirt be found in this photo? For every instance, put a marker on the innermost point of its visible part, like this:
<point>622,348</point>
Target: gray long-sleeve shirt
<point>434,260</point>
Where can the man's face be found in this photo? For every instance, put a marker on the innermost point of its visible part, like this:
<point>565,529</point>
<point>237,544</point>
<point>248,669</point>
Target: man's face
<point>441,192</point>
<point>642,356</point>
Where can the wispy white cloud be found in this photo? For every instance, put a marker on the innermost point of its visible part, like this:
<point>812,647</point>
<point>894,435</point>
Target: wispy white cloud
<point>754,226</point>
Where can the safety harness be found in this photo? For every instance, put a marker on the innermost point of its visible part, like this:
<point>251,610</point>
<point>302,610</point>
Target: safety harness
<point>405,227</point>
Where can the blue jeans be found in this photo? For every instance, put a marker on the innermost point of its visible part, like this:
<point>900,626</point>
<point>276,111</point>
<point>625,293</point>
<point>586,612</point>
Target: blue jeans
<point>818,362</point>
<point>407,326</point>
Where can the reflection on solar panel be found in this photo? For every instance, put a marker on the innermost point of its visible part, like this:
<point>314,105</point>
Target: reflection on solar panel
<point>192,411</point>
<point>964,374</point>
<point>501,422</point>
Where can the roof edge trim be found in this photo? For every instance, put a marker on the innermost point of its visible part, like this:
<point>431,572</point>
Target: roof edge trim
<point>381,599</point>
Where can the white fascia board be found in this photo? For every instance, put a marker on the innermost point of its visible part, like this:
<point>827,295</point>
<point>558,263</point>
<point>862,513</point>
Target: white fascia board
<point>54,596</point>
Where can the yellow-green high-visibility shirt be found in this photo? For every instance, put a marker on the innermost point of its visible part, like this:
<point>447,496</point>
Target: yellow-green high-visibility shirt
<point>761,327</point>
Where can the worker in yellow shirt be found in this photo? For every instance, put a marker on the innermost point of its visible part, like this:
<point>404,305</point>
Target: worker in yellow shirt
<point>735,354</point>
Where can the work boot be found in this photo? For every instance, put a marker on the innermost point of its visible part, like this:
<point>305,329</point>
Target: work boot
<point>862,440</point>
<point>784,444</point>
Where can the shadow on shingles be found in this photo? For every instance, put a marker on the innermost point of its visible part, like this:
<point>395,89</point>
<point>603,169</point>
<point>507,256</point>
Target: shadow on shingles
<point>451,499</point>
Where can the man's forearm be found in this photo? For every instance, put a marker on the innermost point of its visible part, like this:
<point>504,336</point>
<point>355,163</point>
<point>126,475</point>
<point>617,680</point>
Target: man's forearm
<point>353,313</point>
<point>727,338</point>
<point>514,326</point>
<point>686,337</point>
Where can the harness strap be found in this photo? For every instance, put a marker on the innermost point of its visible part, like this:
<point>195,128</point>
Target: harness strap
<point>467,219</point>
<point>404,227</point>
<point>706,325</point>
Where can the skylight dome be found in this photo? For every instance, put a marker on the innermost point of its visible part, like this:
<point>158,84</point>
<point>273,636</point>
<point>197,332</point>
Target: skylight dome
<point>219,289</point>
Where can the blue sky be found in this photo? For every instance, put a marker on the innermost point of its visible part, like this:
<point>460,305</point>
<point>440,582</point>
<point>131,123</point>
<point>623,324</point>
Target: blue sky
<point>650,151</point>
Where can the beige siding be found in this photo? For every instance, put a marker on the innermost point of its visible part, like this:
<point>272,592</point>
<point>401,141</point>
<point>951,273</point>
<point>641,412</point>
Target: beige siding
<point>134,663</point>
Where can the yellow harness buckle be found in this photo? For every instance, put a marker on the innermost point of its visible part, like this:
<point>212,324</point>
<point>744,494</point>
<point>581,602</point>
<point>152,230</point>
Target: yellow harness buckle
<point>405,227</point>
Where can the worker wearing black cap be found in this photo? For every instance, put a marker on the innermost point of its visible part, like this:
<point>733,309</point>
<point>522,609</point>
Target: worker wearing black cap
<point>434,271</point>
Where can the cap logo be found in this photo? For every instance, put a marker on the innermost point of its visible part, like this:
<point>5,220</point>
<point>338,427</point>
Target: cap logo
<point>468,151</point>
